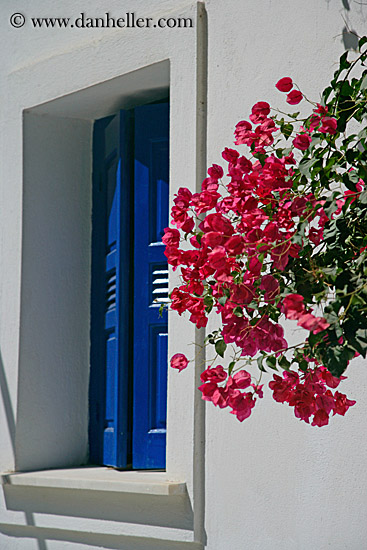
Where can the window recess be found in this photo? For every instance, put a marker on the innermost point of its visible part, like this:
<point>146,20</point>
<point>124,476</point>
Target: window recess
<point>128,381</point>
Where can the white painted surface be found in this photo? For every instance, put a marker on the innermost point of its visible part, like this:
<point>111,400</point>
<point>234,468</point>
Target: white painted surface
<point>271,483</point>
<point>98,479</point>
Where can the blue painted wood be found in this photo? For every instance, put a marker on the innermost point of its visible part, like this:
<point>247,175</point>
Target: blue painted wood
<point>111,354</point>
<point>150,285</point>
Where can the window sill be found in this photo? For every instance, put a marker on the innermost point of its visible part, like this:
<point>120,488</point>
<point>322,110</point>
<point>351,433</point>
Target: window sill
<point>98,478</point>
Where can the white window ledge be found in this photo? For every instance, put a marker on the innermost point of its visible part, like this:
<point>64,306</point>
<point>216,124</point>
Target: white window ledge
<point>98,479</point>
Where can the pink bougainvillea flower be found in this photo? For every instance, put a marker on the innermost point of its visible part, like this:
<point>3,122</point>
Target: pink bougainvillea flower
<point>230,155</point>
<point>330,380</point>
<point>183,197</point>
<point>321,418</point>
<point>258,389</point>
<point>215,171</point>
<point>242,379</point>
<point>289,159</point>
<point>271,287</point>
<point>315,235</point>
<point>342,403</point>
<point>281,389</point>
<point>171,237</point>
<point>219,398</point>
<point>294,97</point>
<point>204,201</point>
<point>325,401</point>
<point>321,109</point>
<point>235,245</point>
<point>314,122</point>
<point>179,361</point>
<point>328,126</point>
<point>244,165</point>
<point>285,84</point>
<point>174,256</point>
<point>293,306</point>
<point>208,389</point>
<point>259,112</point>
<point>213,374</point>
<point>188,225</point>
<point>302,142</point>
<point>242,405</point>
<point>217,257</point>
<point>217,222</point>
<point>312,323</point>
<point>243,133</point>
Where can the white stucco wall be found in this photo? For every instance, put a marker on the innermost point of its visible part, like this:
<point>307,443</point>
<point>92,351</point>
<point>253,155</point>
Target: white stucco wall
<point>270,483</point>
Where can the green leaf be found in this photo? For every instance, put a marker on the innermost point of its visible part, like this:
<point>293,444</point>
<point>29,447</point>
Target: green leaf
<point>208,300</point>
<point>222,300</point>
<point>346,89</point>
<point>260,363</point>
<point>284,363</point>
<point>350,180</point>
<point>199,236</point>
<point>287,130</point>
<point>271,362</point>
<point>220,347</point>
<point>231,367</point>
<point>343,61</point>
<point>261,157</point>
<point>337,358</point>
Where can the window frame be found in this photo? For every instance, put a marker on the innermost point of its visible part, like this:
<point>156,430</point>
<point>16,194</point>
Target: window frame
<point>49,379</point>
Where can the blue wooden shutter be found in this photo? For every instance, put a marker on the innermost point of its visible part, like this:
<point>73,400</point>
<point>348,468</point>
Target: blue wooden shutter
<point>111,280</point>
<point>150,285</point>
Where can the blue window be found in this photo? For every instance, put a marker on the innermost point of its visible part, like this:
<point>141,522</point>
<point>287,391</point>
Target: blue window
<point>128,380</point>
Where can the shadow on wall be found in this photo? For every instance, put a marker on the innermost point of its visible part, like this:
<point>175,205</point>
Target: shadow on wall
<point>10,419</point>
<point>7,404</point>
<point>156,512</point>
<point>350,36</point>
<point>111,542</point>
<point>84,511</point>
<point>71,508</point>
<point>350,39</point>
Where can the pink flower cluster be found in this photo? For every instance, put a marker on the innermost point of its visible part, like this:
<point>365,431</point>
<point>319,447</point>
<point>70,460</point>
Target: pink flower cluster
<point>319,121</point>
<point>295,309</point>
<point>308,393</point>
<point>238,254</point>
<point>237,236</point>
<point>285,84</point>
<point>230,395</point>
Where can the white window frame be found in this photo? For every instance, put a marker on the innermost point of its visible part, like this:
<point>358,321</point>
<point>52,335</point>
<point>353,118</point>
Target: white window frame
<point>53,115</point>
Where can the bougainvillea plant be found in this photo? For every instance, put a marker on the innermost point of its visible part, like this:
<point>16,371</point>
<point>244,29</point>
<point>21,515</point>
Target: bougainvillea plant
<point>281,234</point>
